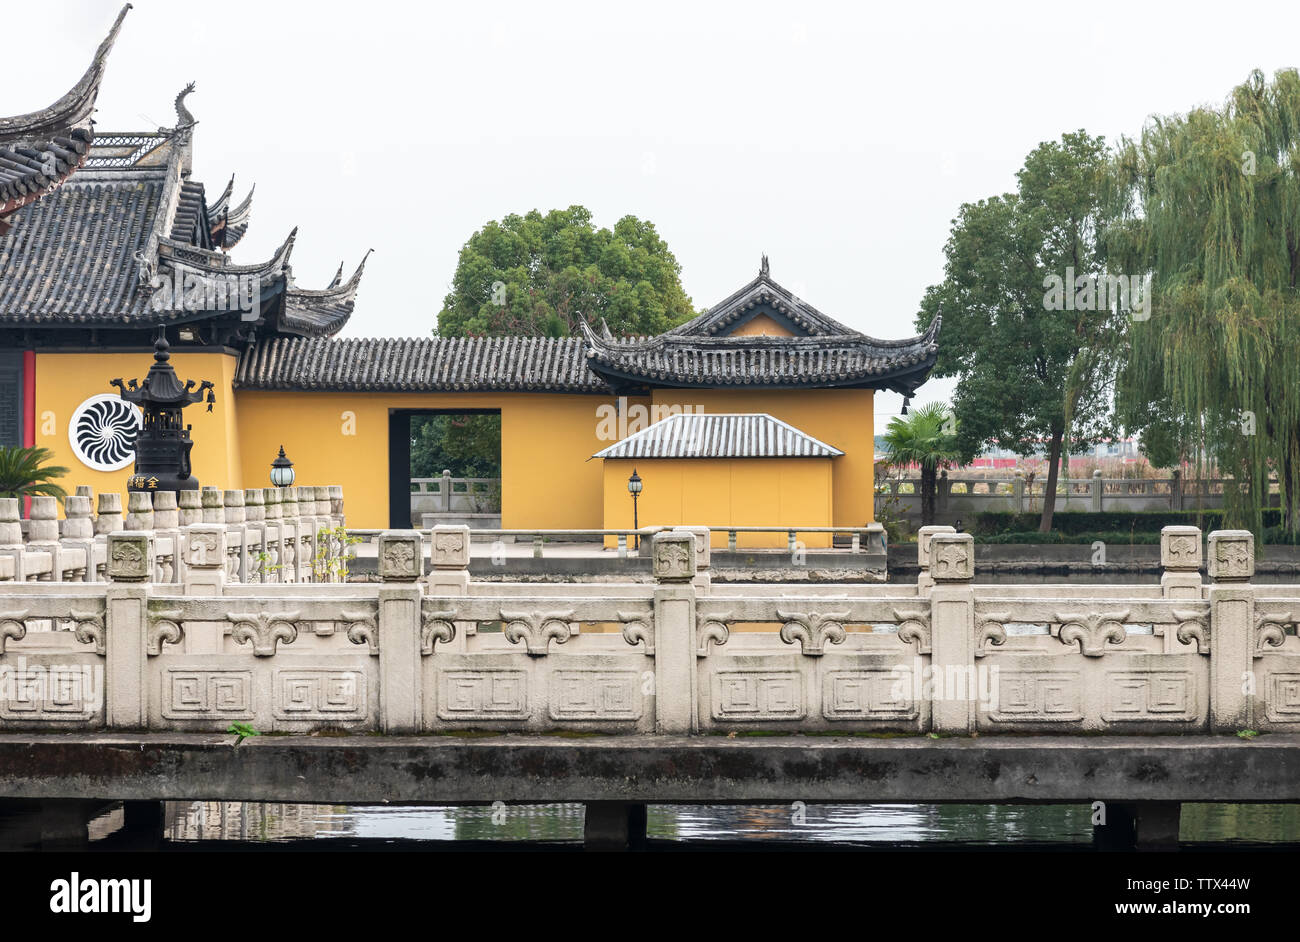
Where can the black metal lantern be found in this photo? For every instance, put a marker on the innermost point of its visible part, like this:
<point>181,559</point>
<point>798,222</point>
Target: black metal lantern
<point>634,488</point>
<point>282,470</point>
<point>163,444</point>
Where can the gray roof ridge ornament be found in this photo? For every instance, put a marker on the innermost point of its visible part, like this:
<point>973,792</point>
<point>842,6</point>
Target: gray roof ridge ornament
<point>605,331</point>
<point>337,279</point>
<point>73,111</point>
<point>184,118</point>
<point>763,268</point>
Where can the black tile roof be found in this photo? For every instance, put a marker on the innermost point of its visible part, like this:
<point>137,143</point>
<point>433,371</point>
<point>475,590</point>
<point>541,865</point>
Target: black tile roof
<point>423,364</point>
<point>131,223</point>
<point>40,150</point>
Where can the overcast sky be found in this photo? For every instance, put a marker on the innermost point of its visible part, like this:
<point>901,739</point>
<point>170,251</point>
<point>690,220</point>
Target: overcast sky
<point>838,138</point>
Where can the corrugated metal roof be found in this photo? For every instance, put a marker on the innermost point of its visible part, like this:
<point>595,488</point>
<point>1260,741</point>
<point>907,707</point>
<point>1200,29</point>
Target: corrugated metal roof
<point>720,435</point>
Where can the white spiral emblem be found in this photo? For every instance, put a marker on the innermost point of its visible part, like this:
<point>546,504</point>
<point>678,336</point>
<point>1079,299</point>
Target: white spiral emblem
<point>103,430</point>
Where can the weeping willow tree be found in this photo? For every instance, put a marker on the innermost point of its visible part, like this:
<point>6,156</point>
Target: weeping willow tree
<point>1208,205</point>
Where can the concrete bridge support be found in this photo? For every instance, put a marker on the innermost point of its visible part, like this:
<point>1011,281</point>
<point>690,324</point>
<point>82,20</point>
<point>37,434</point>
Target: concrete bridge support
<point>1140,825</point>
<point>614,826</point>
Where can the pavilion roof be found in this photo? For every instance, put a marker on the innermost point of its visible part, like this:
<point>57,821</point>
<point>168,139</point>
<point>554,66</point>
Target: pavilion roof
<point>720,435</point>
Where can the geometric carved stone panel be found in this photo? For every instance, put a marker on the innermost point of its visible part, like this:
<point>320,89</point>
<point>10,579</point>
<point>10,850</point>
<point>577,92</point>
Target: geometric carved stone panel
<point>1150,695</point>
<point>595,695</point>
<point>487,694</point>
<point>757,695</point>
<point>1282,690</point>
<point>189,694</point>
<point>319,695</point>
<point>1038,696</point>
<point>71,693</point>
<point>867,695</point>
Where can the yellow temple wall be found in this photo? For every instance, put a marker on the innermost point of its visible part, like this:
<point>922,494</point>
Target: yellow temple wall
<point>721,492</point>
<point>65,380</point>
<point>839,417</point>
<point>342,438</point>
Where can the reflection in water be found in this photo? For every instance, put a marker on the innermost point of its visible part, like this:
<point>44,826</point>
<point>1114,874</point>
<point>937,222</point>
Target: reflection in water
<point>840,823</point>
<point>256,821</point>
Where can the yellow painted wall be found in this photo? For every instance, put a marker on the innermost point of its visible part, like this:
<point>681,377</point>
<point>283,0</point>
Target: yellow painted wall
<point>342,438</point>
<point>711,492</point>
<point>761,325</point>
<point>65,380</point>
<point>839,417</point>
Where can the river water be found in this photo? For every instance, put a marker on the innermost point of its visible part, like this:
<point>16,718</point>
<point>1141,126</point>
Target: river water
<point>981,825</point>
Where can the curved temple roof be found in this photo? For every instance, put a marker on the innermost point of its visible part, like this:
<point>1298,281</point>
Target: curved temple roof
<point>131,242</point>
<point>684,357</point>
<point>816,350</point>
<point>40,150</point>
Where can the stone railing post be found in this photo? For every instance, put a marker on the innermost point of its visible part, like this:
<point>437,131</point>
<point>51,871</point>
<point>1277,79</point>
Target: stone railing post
<point>1180,558</point>
<point>336,504</point>
<point>1018,492</point>
<point>254,527</point>
<point>213,509</point>
<point>11,536</point>
<point>139,512</point>
<point>109,518</point>
<point>446,491</point>
<point>1096,491</point>
<point>1236,702</point>
<point>203,547</point>
<point>945,491</point>
<point>130,567</point>
<point>189,508</point>
<point>43,533</point>
<point>703,576</point>
<point>236,561</point>
<point>1176,490</point>
<point>672,555</point>
<point>166,511</point>
<point>952,633</point>
<point>79,531</point>
<point>924,582</point>
<point>449,549</point>
<point>401,561</point>
<point>271,534</point>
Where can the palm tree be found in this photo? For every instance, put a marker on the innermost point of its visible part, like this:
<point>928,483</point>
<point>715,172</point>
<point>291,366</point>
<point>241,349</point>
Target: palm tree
<point>26,472</point>
<point>927,438</point>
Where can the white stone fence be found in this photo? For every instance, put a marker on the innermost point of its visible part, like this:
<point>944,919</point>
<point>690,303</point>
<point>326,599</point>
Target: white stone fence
<point>968,494</point>
<point>436,652</point>
<point>289,534</point>
<point>447,494</point>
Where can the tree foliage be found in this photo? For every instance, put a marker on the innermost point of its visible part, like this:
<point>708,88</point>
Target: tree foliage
<point>926,438</point>
<point>553,270</point>
<point>27,472</point>
<point>469,446</point>
<point>1209,204</point>
<point>1030,375</point>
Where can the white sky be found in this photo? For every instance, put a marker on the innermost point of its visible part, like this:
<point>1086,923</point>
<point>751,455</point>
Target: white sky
<point>838,138</point>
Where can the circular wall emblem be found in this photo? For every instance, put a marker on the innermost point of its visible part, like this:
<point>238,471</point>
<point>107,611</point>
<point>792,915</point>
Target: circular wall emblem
<point>103,430</point>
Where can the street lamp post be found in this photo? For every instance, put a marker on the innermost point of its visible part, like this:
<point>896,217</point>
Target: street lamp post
<point>634,488</point>
<point>282,470</point>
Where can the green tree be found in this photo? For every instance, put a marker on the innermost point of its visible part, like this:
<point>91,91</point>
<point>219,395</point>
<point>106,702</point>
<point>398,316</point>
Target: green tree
<point>469,446</point>
<point>1034,356</point>
<point>927,438</point>
<point>26,472</point>
<point>1209,204</point>
<point>552,270</point>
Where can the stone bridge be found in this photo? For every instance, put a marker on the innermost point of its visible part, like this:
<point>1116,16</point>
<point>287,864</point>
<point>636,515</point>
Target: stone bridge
<point>677,690</point>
